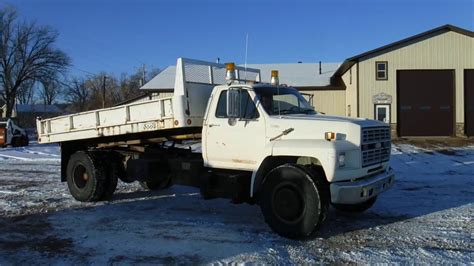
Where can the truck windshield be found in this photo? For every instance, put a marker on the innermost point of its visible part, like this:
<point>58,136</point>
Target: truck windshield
<point>281,101</point>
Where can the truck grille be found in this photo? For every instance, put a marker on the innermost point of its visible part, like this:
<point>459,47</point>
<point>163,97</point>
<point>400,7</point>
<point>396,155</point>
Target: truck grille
<point>376,145</point>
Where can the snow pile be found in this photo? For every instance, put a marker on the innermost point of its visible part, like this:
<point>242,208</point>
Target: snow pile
<point>32,153</point>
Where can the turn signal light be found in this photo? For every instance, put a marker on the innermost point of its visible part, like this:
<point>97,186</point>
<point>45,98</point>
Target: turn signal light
<point>330,136</point>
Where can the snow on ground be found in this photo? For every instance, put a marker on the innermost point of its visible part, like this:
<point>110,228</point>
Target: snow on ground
<point>426,217</point>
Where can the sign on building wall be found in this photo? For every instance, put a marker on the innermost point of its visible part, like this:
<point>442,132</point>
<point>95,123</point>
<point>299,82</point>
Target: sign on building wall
<point>382,98</point>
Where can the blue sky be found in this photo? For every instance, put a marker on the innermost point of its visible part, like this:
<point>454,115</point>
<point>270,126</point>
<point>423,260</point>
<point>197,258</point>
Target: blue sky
<point>119,35</point>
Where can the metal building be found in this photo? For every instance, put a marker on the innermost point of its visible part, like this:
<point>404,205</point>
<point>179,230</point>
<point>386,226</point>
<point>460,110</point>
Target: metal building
<point>422,85</point>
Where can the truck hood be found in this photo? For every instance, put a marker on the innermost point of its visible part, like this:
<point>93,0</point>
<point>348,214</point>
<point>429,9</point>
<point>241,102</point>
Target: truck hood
<point>315,126</point>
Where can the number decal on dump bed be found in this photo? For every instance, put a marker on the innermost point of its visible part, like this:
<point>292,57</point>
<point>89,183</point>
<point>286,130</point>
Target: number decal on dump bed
<point>149,126</point>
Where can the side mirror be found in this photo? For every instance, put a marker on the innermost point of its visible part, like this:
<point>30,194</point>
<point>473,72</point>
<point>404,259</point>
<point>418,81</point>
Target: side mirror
<point>233,103</point>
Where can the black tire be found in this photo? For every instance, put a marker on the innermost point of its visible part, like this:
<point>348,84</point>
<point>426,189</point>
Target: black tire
<point>126,179</point>
<point>24,141</point>
<point>157,184</point>
<point>293,202</point>
<point>204,189</point>
<point>355,208</point>
<point>122,172</point>
<point>15,142</point>
<point>112,172</point>
<point>86,178</point>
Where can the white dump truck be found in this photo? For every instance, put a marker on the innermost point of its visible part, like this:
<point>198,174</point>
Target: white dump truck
<point>261,143</point>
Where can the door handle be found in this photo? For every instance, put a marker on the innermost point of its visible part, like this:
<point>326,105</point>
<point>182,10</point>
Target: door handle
<point>213,125</point>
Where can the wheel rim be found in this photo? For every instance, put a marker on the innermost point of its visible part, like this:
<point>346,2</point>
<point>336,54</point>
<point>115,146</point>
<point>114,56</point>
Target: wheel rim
<point>287,203</point>
<point>80,176</point>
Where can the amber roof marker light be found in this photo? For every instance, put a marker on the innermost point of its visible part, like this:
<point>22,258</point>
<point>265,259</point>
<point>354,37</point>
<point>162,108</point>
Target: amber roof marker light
<point>230,72</point>
<point>275,80</point>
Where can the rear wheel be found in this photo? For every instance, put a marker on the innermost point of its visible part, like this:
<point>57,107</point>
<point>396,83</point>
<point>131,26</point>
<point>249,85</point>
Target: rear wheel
<point>86,178</point>
<point>355,208</point>
<point>293,201</point>
<point>122,173</point>
<point>160,178</point>
<point>112,172</point>
<point>157,184</point>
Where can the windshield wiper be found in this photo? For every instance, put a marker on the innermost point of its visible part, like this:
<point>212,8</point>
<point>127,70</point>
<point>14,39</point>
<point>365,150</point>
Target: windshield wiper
<point>297,111</point>
<point>308,110</point>
<point>286,111</point>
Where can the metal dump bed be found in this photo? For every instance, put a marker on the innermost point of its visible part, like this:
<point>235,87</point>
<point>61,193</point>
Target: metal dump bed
<point>194,81</point>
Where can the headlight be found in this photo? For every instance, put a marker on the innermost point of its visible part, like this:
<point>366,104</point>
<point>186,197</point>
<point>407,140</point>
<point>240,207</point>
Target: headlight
<point>342,159</point>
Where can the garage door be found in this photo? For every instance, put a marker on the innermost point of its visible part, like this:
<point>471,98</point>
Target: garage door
<point>469,101</point>
<point>425,102</point>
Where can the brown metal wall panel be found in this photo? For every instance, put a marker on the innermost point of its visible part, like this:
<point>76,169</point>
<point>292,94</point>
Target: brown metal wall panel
<point>425,102</point>
<point>469,101</point>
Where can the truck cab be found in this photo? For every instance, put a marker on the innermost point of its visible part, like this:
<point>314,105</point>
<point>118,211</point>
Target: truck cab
<point>259,127</point>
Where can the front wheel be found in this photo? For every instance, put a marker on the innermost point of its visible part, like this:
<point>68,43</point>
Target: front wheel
<point>355,208</point>
<point>293,201</point>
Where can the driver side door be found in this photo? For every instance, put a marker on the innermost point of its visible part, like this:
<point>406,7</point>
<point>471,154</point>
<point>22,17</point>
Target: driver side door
<point>235,143</point>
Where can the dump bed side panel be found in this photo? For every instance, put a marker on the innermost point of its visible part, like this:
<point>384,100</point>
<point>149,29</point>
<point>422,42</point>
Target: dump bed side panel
<point>132,118</point>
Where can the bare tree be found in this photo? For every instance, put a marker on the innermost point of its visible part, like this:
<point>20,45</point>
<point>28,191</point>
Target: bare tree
<point>78,95</point>
<point>90,93</point>
<point>26,92</point>
<point>130,85</point>
<point>27,52</point>
<point>104,90</point>
<point>152,73</point>
<point>50,90</point>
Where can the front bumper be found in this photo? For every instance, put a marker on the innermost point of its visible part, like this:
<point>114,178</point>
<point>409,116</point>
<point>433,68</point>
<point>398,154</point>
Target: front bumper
<point>353,192</point>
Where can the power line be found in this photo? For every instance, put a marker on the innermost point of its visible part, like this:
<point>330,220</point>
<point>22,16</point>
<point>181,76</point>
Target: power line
<point>85,71</point>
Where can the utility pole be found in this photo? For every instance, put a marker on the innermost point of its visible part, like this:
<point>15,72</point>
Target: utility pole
<point>103,92</point>
<point>144,74</point>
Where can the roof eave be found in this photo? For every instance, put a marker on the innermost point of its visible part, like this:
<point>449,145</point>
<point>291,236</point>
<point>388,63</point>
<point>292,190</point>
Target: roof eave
<point>348,63</point>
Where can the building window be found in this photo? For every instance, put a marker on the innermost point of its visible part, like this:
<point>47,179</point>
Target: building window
<point>381,72</point>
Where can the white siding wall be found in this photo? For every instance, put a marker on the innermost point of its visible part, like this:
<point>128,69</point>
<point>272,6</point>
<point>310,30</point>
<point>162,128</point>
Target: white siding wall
<point>331,102</point>
<point>160,95</point>
<point>351,91</point>
<point>154,96</point>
